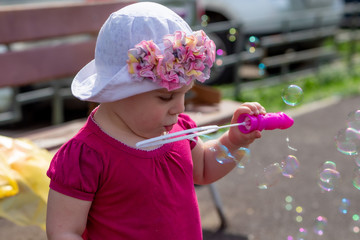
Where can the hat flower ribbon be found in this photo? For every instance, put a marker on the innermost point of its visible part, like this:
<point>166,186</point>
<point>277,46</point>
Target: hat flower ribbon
<point>185,58</point>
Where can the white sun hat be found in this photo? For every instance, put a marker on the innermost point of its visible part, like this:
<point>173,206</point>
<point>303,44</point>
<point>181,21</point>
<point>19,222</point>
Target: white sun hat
<point>107,77</point>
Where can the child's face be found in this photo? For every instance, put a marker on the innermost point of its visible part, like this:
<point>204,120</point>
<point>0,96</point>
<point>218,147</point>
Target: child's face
<point>150,114</point>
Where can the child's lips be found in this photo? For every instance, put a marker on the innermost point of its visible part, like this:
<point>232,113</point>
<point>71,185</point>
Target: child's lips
<point>169,127</point>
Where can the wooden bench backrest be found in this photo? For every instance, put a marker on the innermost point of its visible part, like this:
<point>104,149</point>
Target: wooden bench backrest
<point>24,23</point>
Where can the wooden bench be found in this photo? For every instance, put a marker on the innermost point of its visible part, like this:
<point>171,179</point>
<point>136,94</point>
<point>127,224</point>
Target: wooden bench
<point>46,45</point>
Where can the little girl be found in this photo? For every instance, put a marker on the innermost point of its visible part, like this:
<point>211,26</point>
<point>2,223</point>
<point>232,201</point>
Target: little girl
<point>102,186</point>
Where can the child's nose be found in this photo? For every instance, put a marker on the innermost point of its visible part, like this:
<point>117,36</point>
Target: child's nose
<point>178,107</point>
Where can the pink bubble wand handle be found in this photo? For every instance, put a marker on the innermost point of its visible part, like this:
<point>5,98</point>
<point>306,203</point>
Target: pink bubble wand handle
<point>268,121</point>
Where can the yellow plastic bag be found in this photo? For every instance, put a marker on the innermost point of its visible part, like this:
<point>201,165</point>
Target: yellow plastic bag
<point>24,185</point>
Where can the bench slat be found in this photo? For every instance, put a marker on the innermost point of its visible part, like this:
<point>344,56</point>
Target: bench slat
<point>45,63</point>
<point>26,22</point>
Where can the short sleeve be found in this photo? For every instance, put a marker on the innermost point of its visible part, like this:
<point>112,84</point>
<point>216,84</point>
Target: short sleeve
<point>75,170</point>
<point>186,123</point>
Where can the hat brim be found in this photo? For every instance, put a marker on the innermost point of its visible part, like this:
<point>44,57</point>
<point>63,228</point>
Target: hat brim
<point>88,85</point>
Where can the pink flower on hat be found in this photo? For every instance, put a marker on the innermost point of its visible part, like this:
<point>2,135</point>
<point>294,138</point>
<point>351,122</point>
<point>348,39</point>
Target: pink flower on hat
<point>185,58</point>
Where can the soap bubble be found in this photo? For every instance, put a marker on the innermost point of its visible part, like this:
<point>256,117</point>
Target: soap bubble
<point>299,209</point>
<point>262,69</point>
<point>344,206</point>
<point>326,186</point>
<point>269,177</point>
<point>344,143</point>
<point>302,234</point>
<point>357,161</point>
<point>356,179</point>
<point>352,134</point>
<point>242,157</point>
<point>355,224</point>
<point>220,53</point>
<point>252,43</point>
<point>329,165</point>
<point>320,224</point>
<point>328,176</point>
<point>356,229</point>
<point>222,154</point>
<point>292,95</point>
<point>353,120</point>
<point>288,144</point>
<point>232,35</point>
<point>288,205</point>
<point>299,219</point>
<point>290,166</point>
<point>204,20</point>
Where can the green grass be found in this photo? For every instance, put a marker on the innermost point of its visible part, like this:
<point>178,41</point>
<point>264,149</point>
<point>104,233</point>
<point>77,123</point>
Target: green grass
<point>329,81</point>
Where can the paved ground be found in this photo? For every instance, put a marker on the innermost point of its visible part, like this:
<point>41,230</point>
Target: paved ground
<point>256,214</point>
<point>261,214</point>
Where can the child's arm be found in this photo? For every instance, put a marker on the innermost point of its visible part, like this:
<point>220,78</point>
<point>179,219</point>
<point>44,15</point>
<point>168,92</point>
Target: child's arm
<point>66,217</point>
<point>206,168</point>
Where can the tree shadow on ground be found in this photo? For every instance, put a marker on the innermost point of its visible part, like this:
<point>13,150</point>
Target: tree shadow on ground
<point>222,235</point>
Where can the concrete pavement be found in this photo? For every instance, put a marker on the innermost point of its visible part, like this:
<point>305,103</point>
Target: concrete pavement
<point>262,214</point>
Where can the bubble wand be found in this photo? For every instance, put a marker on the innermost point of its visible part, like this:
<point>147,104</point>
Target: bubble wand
<point>246,124</point>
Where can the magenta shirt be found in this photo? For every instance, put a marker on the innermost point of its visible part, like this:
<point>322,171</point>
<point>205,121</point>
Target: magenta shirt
<point>135,194</point>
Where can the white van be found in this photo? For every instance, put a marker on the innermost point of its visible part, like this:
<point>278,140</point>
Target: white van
<point>263,17</point>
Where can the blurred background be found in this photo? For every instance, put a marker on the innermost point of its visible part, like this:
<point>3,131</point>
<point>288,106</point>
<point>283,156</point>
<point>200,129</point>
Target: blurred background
<point>256,40</point>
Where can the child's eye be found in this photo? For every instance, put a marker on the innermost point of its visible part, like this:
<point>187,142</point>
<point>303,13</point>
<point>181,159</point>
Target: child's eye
<point>166,97</point>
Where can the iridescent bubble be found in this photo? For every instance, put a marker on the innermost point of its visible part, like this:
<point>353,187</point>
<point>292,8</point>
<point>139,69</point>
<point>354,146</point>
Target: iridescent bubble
<point>269,177</point>
<point>204,20</point>
<point>357,161</point>
<point>356,229</point>
<point>355,224</point>
<point>328,179</point>
<point>344,206</point>
<point>299,209</point>
<point>288,199</point>
<point>292,95</point>
<point>352,134</point>
<point>353,120</point>
<point>242,157</point>
<point>290,166</point>
<point>356,179</point>
<point>232,34</point>
<point>252,44</point>
<point>222,154</point>
<point>262,69</point>
<point>329,165</point>
<point>344,144</point>
<point>219,52</point>
<point>299,219</point>
<point>288,205</point>
<point>326,186</point>
<point>320,224</point>
<point>219,62</point>
<point>302,234</point>
<point>329,175</point>
<point>288,144</point>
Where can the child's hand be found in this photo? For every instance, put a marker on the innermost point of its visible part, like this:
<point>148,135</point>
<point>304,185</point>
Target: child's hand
<point>237,138</point>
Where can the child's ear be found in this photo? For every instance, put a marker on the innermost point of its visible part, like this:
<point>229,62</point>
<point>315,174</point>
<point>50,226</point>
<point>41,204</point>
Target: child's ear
<point>92,106</point>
